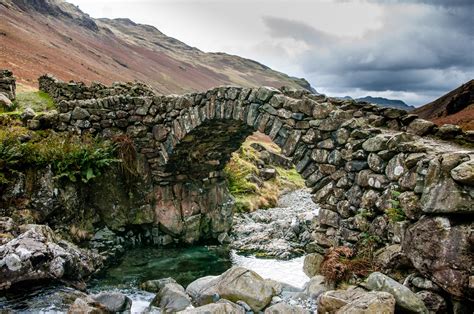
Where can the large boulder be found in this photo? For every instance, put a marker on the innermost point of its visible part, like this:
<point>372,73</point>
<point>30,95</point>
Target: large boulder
<point>440,248</point>
<point>371,303</point>
<point>114,301</point>
<point>441,193</point>
<point>404,297</point>
<point>38,254</point>
<point>236,284</point>
<point>171,298</point>
<point>356,301</point>
<point>202,290</point>
<point>239,283</point>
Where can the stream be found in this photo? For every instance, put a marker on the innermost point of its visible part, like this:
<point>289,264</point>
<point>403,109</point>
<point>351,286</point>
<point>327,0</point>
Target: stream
<point>184,264</point>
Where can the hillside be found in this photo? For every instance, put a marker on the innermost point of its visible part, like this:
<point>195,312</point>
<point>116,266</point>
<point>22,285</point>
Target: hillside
<point>456,107</point>
<point>56,37</point>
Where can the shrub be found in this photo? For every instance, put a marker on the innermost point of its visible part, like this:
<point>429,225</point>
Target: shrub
<point>395,213</point>
<point>73,157</point>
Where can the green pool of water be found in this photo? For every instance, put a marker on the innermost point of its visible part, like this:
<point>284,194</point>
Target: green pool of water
<point>183,264</point>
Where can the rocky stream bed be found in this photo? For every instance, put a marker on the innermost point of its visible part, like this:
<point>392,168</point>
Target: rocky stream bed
<point>265,267</point>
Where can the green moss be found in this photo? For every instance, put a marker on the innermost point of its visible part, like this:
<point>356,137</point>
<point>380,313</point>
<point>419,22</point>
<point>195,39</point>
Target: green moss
<point>291,177</point>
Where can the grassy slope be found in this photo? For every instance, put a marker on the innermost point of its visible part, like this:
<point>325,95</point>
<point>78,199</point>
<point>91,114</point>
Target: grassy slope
<point>242,168</point>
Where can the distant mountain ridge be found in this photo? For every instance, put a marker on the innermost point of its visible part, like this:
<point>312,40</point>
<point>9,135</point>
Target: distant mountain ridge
<point>455,107</point>
<point>54,36</point>
<point>384,102</point>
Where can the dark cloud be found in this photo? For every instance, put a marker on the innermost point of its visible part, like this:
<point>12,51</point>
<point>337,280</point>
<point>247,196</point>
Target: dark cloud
<point>423,49</point>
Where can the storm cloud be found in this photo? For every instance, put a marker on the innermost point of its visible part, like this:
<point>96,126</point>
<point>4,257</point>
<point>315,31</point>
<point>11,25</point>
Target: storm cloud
<point>419,48</point>
<point>414,50</point>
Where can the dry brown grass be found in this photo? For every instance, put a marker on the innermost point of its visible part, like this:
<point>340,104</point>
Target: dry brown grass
<point>341,264</point>
<point>79,235</point>
<point>127,153</point>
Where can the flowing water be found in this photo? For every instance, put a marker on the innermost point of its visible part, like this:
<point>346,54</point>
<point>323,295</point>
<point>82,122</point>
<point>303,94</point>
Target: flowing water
<point>183,264</point>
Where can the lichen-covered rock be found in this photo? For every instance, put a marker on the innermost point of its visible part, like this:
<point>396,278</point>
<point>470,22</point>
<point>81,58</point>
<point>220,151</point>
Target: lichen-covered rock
<point>38,254</point>
<point>356,301</point>
<point>440,248</point>
<point>236,284</point>
<point>371,303</point>
<point>441,194</point>
<point>405,299</point>
<point>312,264</point>
<point>239,283</point>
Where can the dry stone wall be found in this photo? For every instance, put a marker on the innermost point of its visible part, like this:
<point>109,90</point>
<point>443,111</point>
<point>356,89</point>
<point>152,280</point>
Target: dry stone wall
<point>374,171</point>
<point>60,90</point>
<point>8,84</point>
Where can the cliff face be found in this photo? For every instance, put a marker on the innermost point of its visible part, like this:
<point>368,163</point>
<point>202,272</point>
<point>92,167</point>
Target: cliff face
<point>56,37</point>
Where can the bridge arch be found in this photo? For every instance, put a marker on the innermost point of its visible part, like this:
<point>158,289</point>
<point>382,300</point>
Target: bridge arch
<point>352,155</point>
<point>363,163</point>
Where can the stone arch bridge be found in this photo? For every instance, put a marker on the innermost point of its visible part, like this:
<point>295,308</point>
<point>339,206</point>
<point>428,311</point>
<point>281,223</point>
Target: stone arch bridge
<point>357,159</point>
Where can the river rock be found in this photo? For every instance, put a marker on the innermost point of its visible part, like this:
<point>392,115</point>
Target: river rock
<point>315,287</point>
<point>283,308</point>
<point>156,285</point>
<point>440,249</point>
<point>114,301</point>
<point>312,264</point>
<point>236,284</point>
<point>220,307</point>
<point>171,298</point>
<point>38,254</point>
<point>239,283</point>
<point>202,290</point>
<point>87,305</point>
<point>405,298</point>
<point>356,301</point>
<point>371,303</point>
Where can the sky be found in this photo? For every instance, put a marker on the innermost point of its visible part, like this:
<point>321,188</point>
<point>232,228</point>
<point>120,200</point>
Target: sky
<point>413,50</point>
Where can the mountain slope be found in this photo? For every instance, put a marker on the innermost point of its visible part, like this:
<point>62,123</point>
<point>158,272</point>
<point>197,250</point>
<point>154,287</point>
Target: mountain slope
<point>456,107</point>
<point>38,36</point>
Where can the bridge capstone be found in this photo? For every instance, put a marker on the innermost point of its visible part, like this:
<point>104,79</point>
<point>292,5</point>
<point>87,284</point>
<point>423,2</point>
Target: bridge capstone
<point>361,161</point>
